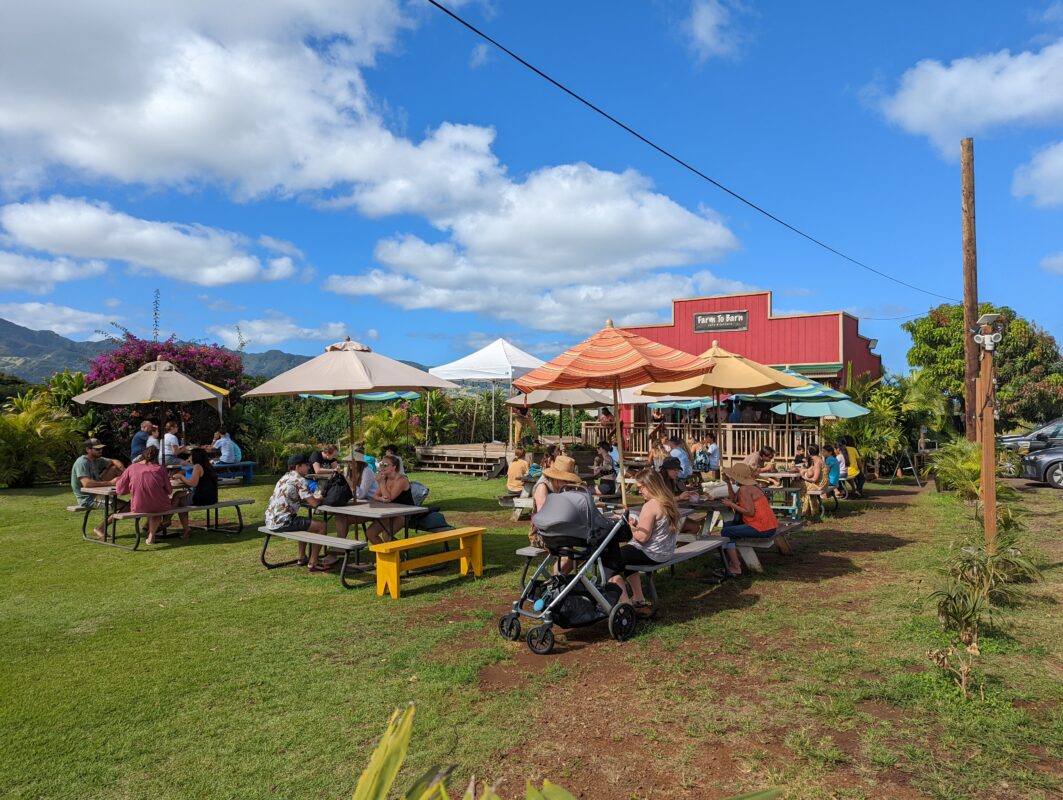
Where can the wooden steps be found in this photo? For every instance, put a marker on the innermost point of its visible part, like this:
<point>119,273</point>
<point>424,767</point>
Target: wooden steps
<point>467,460</point>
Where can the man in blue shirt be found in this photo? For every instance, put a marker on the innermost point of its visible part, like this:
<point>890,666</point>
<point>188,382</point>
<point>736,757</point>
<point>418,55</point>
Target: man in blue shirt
<point>225,447</point>
<point>140,440</point>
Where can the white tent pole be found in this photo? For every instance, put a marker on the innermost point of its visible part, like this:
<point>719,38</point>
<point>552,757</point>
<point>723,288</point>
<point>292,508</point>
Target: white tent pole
<point>492,411</point>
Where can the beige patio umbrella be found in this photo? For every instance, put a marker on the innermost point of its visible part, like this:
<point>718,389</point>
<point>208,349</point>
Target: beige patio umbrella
<point>155,382</point>
<point>561,399</point>
<point>349,368</point>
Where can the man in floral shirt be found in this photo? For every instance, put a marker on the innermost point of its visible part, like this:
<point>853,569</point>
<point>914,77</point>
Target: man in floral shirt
<point>282,513</point>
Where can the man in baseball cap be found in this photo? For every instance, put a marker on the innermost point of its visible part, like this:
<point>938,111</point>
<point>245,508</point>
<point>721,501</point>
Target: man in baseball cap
<point>282,513</point>
<point>92,471</point>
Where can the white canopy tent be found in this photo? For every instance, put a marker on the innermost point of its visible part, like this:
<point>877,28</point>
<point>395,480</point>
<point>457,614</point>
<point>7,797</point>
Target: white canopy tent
<point>498,362</point>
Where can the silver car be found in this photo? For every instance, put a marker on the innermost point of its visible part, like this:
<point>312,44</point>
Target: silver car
<point>1044,466</point>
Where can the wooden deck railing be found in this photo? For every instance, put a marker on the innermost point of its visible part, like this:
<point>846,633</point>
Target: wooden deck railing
<point>736,440</point>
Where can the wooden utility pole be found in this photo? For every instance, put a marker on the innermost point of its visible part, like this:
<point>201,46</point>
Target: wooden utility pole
<point>970,290</point>
<point>987,436</point>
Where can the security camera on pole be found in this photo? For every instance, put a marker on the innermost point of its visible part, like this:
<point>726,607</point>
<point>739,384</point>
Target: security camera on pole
<point>987,335</point>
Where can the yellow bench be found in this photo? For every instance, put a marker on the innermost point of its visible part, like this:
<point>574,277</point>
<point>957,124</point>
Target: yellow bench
<point>388,566</point>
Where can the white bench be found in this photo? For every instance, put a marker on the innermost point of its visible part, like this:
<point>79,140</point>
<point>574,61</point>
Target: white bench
<point>684,552</point>
<point>747,548</point>
<point>348,546</point>
<point>518,503</point>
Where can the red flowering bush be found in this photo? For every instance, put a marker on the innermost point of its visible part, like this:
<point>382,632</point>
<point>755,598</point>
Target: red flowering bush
<point>210,363</point>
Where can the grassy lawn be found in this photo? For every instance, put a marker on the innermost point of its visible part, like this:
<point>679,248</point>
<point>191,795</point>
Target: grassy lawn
<point>192,671</point>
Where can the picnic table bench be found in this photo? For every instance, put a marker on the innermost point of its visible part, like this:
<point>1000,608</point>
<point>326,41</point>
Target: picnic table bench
<point>683,552</point>
<point>747,548</point>
<point>389,556</point>
<point>243,469</point>
<point>348,546</point>
<point>111,520</point>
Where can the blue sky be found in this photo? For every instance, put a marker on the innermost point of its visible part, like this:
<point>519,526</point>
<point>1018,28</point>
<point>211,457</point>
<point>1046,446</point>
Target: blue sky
<point>316,169</point>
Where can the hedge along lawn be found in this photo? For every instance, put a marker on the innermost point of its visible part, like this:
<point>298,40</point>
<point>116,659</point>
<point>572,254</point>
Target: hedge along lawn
<point>192,671</point>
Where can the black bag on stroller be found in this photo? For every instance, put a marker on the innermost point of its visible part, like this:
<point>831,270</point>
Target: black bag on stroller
<point>578,608</point>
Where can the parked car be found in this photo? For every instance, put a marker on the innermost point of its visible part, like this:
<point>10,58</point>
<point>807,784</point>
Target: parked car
<point>1049,435</point>
<point>1044,466</point>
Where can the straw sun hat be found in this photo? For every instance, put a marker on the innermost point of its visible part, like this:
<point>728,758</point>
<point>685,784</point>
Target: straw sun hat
<point>740,473</point>
<point>563,469</point>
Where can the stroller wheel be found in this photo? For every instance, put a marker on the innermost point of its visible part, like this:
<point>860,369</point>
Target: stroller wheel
<point>622,621</point>
<point>540,640</point>
<point>509,627</point>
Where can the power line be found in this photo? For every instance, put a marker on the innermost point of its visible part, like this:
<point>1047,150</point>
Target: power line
<point>904,316</point>
<point>686,165</point>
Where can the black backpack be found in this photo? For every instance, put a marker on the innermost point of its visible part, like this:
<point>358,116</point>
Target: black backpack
<point>337,491</point>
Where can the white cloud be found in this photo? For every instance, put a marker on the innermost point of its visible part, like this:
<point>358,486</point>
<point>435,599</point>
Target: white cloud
<point>193,253</point>
<point>711,30</point>
<point>1053,263</point>
<point>1053,14</point>
<point>1042,178</point>
<point>479,56</point>
<point>40,275</point>
<point>572,306</point>
<point>596,238</point>
<point>372,334</point>
<point>219,304</point>
<point>183,91</point>
<point>51,317</point>
<point>798,291</point>
<point>275,329</point>
<point>946,102</point>
<point>112,302</point>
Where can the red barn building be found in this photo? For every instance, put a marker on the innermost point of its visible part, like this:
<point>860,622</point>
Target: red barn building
<point>822,346</point>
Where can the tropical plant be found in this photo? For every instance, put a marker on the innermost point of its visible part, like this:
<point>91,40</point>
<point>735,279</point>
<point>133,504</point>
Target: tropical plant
<point>378,778</point>
<point>957,467</point>
<point>978,584</point>
<point>64,387</point>
<point>34,439</point>
<point>391,425</point>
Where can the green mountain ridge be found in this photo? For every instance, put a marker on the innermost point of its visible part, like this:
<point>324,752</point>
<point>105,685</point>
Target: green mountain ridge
<point>37,355</point>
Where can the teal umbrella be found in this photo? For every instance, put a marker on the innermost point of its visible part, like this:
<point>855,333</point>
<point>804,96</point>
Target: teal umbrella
<point>813,391</point>
<point>825,408</point>
<point>373,397</point>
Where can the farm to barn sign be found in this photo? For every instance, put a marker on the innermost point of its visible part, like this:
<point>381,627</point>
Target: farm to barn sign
<point>721,321</point>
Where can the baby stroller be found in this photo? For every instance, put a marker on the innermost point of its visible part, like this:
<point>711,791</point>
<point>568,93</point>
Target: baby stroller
<point>571,526</point>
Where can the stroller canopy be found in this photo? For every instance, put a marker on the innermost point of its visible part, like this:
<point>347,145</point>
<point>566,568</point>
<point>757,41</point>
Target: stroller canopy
<point>571,516</point>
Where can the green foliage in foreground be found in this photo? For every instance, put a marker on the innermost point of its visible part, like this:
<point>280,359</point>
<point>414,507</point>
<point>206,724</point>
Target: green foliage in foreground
<point>379,776</point>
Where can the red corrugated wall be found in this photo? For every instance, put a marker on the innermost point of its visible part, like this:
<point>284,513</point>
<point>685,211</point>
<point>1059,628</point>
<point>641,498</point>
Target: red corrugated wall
<point>810,339</point>
<point>857,351</point>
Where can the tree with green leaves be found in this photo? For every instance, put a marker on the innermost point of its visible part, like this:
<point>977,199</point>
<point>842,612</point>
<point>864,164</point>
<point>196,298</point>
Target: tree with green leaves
<point>1028,363</point>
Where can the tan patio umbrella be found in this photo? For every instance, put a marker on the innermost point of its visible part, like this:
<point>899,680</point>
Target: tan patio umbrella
<point>614,359</point>
<point>155,382</point>
<point>349,368</point>
<point>733,373</point>
<point>560,399</point>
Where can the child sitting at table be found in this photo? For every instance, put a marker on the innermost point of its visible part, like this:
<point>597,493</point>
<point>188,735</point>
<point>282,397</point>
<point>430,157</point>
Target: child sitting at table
<point>800,459</point>
<point>833,470</point>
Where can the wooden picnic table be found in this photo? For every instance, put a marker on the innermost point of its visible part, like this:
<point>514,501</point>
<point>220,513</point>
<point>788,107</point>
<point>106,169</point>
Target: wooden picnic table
<point>110,497</point>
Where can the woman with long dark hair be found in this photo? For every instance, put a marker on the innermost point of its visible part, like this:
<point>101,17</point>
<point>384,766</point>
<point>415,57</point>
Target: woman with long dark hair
<point>203,480</point>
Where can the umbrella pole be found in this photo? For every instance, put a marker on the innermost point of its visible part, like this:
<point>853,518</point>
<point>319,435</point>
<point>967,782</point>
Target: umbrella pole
<point>427,415</point>
<point>619,442</point>
<point>475,408</point>
<point>350,419</point>
<point>492,412</point>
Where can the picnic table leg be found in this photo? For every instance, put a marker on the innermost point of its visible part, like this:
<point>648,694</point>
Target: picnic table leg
<point>749,556</point>
<point>473,545</point>
<point>267,564</point>
<point>387,574</point>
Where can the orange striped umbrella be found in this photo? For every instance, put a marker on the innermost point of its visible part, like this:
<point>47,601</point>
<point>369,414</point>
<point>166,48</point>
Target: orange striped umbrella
<point>615,359</point>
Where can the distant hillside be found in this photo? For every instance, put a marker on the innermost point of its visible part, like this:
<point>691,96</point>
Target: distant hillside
<point>37,355</point>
